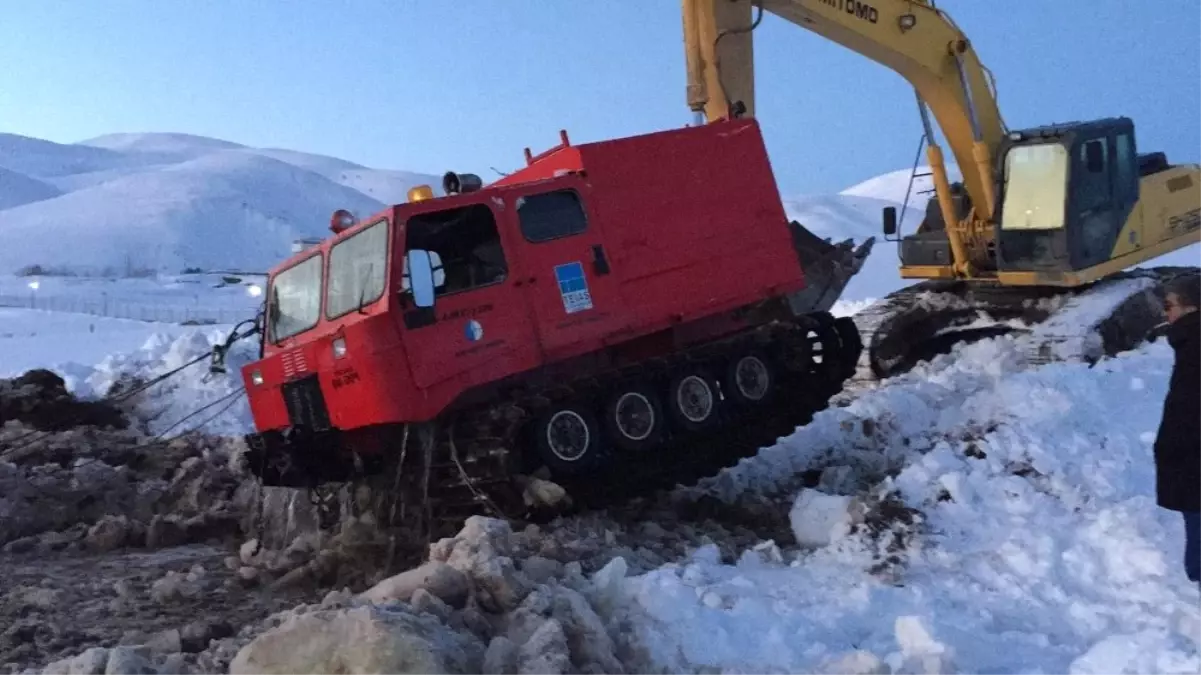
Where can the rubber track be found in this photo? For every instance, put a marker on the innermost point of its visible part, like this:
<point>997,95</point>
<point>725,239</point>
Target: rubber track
<point>903,328</point>
<point>490,450</point>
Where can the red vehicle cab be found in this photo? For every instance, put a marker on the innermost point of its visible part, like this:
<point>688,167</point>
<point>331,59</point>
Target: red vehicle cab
<point>618,249</point>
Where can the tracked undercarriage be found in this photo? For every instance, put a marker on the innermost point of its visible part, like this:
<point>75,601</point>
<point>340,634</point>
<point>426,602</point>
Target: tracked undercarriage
<point>924,320</point>
<point>515,457</point>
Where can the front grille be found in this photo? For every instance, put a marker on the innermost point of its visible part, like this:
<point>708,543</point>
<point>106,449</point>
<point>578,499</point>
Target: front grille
<point>306,404</point>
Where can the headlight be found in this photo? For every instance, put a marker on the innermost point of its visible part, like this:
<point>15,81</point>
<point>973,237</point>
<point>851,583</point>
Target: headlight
<point>256,378</point>
<point>339,347</point>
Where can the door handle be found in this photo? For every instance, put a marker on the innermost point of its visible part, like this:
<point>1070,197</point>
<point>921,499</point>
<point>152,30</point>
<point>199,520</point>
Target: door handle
<point>600,264</point>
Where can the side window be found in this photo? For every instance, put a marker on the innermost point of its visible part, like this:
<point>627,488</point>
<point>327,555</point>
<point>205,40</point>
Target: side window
<point>1125,167</point>
<point>1092,182</point>
<point>357,269</point>
<point>465,242</point>
<point>551,215</point>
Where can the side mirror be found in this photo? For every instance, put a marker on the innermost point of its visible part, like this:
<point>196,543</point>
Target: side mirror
<point>890,221</point>
<point>1094,156</point>
<point>421,277</point>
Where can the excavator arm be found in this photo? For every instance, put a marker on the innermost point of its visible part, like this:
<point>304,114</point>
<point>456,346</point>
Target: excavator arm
<point>911,37</point>
<point>1049,212</point>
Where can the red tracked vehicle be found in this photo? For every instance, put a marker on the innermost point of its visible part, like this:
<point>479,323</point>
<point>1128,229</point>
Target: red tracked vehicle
<point>593,315</point>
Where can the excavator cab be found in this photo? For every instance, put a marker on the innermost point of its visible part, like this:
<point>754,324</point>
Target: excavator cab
<point>1065,195</point>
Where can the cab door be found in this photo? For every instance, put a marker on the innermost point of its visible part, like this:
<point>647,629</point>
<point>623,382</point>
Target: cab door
<point>1096,216</point>
<point>478,329</point>
<point>567,272</point>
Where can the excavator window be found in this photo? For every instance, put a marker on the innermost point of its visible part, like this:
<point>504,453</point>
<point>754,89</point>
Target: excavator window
<point>1125,178</point>
<point>551,215</point>
<point>467,242</point>
<point>1035,187</point>
<point>1092,176</point>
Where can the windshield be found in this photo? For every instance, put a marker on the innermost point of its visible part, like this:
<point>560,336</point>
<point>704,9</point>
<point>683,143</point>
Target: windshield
<point>357,268</point>
<point>1035,187</point>
<point>295,300</point>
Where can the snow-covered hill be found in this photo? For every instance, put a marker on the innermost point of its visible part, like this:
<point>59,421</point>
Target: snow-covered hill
<point>165,202</point>
<point>893,185</point>
<point>17,189</point>
<point>857,212</point>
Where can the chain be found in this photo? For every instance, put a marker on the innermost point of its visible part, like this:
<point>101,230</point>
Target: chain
<point>478,494</point>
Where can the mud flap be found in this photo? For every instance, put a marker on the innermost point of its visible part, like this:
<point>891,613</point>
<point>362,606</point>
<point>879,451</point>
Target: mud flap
<point>827,267</point>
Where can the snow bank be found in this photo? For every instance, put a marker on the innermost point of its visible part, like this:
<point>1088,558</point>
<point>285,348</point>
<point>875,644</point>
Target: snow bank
<point>168,405</point>
<point>61,342</point>
<point>1042,548</point>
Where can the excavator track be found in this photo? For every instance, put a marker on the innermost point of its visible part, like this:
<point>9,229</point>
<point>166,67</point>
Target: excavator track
<point>919,322</point>
<point>478,460</point>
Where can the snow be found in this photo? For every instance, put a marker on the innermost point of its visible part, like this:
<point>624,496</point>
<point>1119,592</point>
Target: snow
<point>818,518</point>
<point>161,145</point>
<point>64,342</point>
<point>92,351</point>
<point>894,185</point>
<point>17,189</point>
<point>1042,548</point>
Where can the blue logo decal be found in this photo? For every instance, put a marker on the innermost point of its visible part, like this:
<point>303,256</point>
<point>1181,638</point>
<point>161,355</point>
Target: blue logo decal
<point>573,287</point>
<point>474,331</point>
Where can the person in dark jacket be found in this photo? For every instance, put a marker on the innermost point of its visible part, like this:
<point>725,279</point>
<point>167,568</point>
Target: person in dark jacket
<point>1178,444</point>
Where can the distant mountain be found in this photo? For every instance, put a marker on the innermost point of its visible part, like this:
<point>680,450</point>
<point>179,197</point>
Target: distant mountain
<point>164,202</point>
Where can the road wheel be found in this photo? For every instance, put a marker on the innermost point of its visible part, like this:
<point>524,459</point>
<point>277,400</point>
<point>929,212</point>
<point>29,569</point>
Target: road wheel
<point>852,344</point>
<point>692,400</point>
<point>750,379</point>
<point>634,418</point>
<point>825,347</point>
<point>568,439</point>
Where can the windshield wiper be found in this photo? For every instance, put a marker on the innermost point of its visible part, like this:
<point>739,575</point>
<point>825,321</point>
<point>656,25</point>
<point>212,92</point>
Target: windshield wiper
<point>363,289</point>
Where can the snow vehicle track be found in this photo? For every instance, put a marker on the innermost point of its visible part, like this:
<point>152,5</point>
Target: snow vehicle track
<point>470,464</point>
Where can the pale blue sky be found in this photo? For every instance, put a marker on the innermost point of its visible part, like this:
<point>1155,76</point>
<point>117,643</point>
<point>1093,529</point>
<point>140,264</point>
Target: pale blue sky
<point>431,85</point>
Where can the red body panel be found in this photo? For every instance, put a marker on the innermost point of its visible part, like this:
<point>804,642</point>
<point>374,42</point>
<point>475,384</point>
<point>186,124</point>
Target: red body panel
<point>683,227</point>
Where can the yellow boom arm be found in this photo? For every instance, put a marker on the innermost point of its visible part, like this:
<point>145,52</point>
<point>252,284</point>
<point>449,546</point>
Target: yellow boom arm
<point>911,37</point>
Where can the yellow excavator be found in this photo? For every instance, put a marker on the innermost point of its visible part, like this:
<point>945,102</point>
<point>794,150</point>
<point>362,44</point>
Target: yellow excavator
<point>1041,214</point>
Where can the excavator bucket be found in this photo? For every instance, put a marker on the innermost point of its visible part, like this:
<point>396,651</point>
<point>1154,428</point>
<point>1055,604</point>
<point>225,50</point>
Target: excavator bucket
<point>828,268</point>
